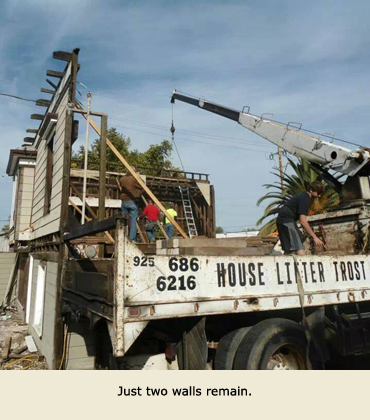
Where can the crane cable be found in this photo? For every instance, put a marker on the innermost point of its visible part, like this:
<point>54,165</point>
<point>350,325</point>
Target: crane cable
<point>172,129</point>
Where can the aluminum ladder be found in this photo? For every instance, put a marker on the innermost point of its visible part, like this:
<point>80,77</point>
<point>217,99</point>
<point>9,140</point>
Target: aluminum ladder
<point>189,217</point>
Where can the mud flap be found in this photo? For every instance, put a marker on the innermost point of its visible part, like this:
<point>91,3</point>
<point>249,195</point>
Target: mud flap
<point>192,351</point>
<point>316,324</point>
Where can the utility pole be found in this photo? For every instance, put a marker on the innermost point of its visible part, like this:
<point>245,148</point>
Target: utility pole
<point>89,96</point>
<point>281,167</point>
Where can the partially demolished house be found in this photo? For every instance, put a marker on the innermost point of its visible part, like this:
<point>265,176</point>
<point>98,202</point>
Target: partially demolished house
<point>46,215</point>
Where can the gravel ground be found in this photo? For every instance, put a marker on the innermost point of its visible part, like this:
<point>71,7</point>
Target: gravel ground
<point>17,329</point>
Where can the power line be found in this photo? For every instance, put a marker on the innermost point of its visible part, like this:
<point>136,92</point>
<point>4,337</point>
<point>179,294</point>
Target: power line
<point>194,133</point>
<point>194,141</point>
<point>17,97</point>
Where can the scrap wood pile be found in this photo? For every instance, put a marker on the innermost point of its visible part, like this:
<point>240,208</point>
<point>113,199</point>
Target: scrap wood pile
<point>15,354</point>
<point>250,246</point>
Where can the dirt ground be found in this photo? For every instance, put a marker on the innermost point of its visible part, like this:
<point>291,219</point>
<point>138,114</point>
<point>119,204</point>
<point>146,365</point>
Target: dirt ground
<point>14,327</point>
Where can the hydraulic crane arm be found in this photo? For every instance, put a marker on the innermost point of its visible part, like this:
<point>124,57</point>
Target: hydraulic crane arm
<point>291,139</point>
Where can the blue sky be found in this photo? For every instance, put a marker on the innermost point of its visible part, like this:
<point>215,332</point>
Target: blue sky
<point>303,61</point>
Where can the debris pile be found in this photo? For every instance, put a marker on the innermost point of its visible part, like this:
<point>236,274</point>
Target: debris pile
<point>15,353</point>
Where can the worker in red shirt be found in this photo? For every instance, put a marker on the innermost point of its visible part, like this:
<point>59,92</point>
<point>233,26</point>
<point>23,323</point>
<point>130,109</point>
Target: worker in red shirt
<point>151,212</point>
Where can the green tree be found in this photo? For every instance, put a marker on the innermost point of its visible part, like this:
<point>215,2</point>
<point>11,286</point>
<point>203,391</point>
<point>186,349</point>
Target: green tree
<point>219,229</point>
<point>302,176</point>
<point>157,157</point>
<point>5,229</point>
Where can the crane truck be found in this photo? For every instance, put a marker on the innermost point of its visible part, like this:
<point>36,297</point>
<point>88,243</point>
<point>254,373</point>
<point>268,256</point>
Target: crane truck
<point>267,312</point>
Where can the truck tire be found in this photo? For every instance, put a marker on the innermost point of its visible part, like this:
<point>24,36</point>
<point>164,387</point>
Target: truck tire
<point>227,348</point>
<point>273,344</point>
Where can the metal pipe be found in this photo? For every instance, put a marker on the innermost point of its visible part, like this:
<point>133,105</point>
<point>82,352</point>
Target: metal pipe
<point>89,96</point>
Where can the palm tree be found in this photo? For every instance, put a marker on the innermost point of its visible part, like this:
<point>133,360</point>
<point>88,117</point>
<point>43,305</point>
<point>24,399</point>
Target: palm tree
<point>302,176</point>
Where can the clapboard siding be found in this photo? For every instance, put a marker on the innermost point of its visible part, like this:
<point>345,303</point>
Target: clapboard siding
<point>6,265</point>
<point>80,353</point>
<point>24,199</point>
<point>50,223</point>
<point>45,344</point>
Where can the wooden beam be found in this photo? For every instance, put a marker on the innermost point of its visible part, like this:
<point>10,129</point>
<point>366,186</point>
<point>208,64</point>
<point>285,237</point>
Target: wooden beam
<point>32,130</point>
<point>52,84</point>
<point>29,139</point>
<point>39,117</point>
<point>43,102</point>
<point>6,349</point>
<point>75,67</point>
<point>62,55</point>
<point>107,234</point>
<point>79,195</point>
<point>102,174</point>
<point>138,179</point>
<point>141,233</point>
<point>53,73</point>
<point>91,228</point>
<point>43,90</point>
<point>103,167</point>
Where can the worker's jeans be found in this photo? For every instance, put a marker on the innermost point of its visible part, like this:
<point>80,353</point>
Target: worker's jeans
<point>169,229</point>
<point>151,228</point>
<point>132,209</point>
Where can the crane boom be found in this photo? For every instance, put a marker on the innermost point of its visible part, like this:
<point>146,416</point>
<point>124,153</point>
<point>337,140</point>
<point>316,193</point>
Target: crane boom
<point>290,138</point>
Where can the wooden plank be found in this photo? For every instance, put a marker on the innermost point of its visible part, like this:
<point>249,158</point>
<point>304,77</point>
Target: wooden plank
<point>202,216</point>
<point>141,233</point>
<point>91,228</point>
<point>43,102</point>
<point>39,117</point>
<point>32,130</point>
<point>66,170</point>
<point>53,73</point>
<point>29,139</point>
<point>43,90</point>
<point>255,251</point>
<point>79,195</point>
<point>52,84</point>
<point>62,55</point>
<point>138,179</point>
<point>6,348</point>
<point>103,167</point>
<point>107,234</point>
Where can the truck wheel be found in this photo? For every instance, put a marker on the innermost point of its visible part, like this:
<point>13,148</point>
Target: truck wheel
<point>227,348</point>
<point>273,344</point>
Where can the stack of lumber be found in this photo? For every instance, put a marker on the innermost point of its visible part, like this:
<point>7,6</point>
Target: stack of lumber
<point>251,246</point>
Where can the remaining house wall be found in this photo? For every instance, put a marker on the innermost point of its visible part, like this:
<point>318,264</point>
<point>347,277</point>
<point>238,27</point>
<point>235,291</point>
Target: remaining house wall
<point>50,223</point>
<point>24,198</point>
<point>6,265</point>
<point>45,343</point>
<point>4,243</point>
<point>80,353</point>
<point>45,225</point>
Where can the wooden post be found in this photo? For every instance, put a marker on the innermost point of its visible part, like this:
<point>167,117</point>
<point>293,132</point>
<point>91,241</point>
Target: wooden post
<point>138,179</point>
<point>103,167</point>
<point>102,174</point>
<point>213,208</point>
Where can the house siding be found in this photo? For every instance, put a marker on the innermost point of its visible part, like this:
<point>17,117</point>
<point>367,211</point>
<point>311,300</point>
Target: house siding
<point>45,343</point>
<point>24,199</point>
<point>80,353</point>
<point>6,265</point>
<point>50,223</point>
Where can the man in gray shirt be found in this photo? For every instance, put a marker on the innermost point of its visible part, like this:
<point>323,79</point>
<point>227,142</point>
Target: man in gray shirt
<point>293,210</point>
